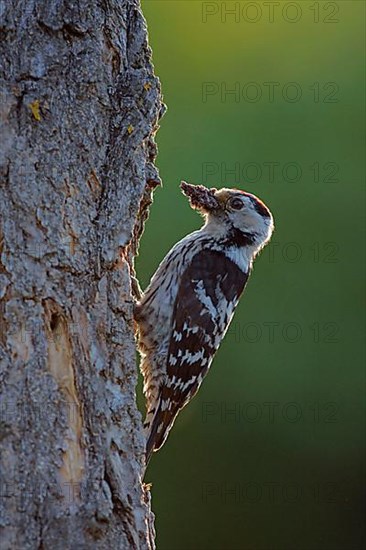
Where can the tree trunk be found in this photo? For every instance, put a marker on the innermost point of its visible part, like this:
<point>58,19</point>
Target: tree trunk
<point>79,108</point>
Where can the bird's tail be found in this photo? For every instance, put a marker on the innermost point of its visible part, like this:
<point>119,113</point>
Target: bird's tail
<point>157,426</point>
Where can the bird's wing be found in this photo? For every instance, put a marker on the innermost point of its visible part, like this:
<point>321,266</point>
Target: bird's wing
<point>206,299</point>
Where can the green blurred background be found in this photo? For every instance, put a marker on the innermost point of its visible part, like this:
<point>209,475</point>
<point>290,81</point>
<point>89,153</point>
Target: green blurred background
<point>269,455</point>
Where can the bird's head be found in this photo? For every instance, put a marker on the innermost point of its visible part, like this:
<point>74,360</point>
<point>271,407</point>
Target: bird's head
<point>241,216</point>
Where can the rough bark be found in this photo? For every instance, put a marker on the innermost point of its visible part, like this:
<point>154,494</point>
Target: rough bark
<point>79,108</point>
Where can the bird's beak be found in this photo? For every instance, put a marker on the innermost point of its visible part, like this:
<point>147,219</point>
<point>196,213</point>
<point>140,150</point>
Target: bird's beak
<point>200,197</point>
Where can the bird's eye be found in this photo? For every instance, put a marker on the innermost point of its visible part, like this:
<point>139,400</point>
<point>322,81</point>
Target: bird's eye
<point>236,204</point>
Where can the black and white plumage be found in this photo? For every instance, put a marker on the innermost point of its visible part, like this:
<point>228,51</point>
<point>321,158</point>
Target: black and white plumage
<point>187,308</point>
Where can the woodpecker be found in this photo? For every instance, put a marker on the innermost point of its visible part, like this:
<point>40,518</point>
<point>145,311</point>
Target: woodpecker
<point>190,301</point>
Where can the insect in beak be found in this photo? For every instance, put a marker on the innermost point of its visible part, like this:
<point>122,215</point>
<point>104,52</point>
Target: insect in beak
<point>200,197</point>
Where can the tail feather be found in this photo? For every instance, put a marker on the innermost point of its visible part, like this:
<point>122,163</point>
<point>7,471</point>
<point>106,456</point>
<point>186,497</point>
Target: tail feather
<point>158,428</point>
